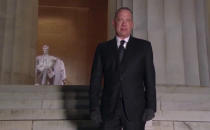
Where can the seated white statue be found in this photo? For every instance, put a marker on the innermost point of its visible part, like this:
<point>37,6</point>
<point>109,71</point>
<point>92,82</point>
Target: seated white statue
<point>49,70</point>
<point>59,72</point>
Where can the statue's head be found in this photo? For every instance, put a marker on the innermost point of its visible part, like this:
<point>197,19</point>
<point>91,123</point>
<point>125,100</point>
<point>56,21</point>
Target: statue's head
<point>45,49</point>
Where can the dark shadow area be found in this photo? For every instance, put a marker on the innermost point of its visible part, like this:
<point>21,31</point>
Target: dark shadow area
<point>76,104</point>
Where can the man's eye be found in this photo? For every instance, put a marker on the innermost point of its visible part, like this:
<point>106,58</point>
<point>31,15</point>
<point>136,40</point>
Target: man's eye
<point>128,20</point>
<point>120,20</point>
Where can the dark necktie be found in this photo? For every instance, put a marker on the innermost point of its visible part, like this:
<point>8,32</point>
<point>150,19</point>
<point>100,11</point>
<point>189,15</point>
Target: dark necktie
<point>121,51</point>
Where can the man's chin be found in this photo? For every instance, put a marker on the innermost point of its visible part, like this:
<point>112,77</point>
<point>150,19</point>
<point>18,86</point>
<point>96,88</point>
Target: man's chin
<point>123,35</point>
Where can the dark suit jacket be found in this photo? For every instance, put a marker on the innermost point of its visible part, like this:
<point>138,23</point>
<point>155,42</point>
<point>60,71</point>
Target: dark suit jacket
<point>135,77</point>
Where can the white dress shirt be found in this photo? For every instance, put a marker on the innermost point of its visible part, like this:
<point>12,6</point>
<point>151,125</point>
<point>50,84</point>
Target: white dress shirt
<point>119,39</point>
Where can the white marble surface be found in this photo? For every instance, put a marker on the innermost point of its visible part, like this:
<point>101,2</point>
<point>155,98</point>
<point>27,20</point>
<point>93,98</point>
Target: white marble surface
<point>202,116</point>
<point>191,125</point>
<point>75,125</point>
<point>54,125</point>
<point>15,125</point>
<point>185,102</point>
<point>162,125</point>
<point>32,114</point>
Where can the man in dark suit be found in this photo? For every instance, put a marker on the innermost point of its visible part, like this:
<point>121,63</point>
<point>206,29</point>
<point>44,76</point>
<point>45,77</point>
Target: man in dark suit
<point>126,64</point>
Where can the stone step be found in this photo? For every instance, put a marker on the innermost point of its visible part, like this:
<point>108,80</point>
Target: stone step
<point>43,95</point>
<point>74,114</point>
<point>64,125</point>
<point>80,88</point>
<point>184,102</point>
<point>32,88</point>
<point>48,125</point>
<point>52,102</point>
<point>195,116</point>
<point>72,94</point>
<point>43,114</point>
<point>168,98</point>
<point>44,104</point>
<point>89,125</point>
<point>165,102</point>
<point>183,89</point>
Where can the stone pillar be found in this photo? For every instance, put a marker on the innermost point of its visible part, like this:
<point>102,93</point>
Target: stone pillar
<point>174,44</point>
<point>207,7</point>
<point>140,19</point>
<point>112,7</point>
<point>190,41</point>
<point>201,28</point>
<point>157,36</point>
<point>18,41</point>
<point>128,3</point>
<point>3,10</point>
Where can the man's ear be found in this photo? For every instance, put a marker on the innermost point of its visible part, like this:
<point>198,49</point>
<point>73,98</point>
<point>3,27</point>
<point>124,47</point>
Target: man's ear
<point>132,25</point>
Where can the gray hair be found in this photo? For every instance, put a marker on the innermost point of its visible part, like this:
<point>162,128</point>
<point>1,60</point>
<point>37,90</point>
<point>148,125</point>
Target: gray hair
<point>123,8</point>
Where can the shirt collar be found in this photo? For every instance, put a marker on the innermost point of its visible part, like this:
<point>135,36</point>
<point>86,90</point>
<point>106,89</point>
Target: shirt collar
<point>119,39</point>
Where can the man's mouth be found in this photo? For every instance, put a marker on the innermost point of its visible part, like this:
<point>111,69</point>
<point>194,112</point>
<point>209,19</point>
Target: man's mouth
<point>123,29</point>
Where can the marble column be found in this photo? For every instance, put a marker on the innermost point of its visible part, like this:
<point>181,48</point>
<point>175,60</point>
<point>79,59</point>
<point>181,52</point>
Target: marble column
<point>190,42</point>
<point>157,36</point>
<point>128,3</point>
<point>18,41</point>
<point>207,7</point>
<point>112,7</point>
<point>140,19</point>
<point>201,26</point>
<point>3,9</point>
<point>174,48</point>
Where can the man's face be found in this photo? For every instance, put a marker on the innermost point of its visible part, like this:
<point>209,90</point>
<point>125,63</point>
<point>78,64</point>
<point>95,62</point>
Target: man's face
<point>123,24</point>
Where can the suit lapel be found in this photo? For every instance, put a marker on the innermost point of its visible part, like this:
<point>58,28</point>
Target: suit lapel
<point>114,52</point>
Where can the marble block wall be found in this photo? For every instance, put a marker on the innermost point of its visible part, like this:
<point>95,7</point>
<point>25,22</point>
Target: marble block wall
<point>45,108</point>
<point>177,30</point>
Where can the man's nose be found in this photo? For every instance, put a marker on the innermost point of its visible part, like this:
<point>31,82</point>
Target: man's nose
<point>124,23</point>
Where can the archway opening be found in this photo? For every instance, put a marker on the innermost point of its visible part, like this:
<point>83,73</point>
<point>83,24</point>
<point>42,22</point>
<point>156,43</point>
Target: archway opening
<point>72,29</point>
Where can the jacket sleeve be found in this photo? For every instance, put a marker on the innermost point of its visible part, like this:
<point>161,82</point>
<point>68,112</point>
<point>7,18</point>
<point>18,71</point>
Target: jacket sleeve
<point>149,79</point>
<point>96,80</point>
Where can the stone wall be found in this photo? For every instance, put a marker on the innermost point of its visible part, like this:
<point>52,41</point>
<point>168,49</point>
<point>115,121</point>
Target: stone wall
<point>177,30</point>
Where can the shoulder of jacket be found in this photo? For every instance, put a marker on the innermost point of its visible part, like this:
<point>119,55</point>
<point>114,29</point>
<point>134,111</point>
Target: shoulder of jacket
<point>105,43</point>
<point>141,40</point>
